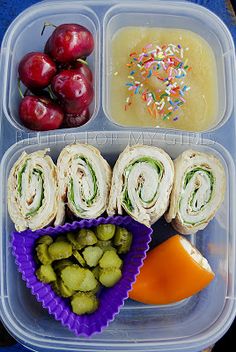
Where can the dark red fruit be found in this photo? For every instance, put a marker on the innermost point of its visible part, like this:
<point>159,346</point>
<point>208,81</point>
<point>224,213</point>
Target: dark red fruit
<point>85,70</point>
<point>36,70</point>
<point>73,107</point>
<point>72,120</point>
<point>73,89</point>
<point>40,113</point>
<point>46,48</point>
<point>69,42</point>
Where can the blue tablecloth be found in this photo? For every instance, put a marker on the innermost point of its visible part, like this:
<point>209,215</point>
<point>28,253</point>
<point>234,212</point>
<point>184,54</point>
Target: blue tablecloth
<point>11,8</point>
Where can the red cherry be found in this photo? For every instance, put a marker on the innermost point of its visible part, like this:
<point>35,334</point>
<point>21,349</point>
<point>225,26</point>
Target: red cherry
<point>85,70</point>
<point>36,70</point>
<point>46,48</point>
<point>73,107</point>
<point>40,113</point>
<point>72,120</point>
<point>73,89</point>
<point>69,42</point>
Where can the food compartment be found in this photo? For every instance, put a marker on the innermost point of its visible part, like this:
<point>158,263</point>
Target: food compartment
<point>24,36</point>
<point>106,303</point>
<point>187,325</point>
<point>205,31</point>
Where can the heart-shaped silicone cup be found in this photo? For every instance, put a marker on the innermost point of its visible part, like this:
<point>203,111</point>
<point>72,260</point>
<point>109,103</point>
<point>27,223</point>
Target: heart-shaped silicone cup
<point>111,299</point>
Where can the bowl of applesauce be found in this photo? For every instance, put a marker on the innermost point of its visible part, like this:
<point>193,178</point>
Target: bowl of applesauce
<point>165,70</point>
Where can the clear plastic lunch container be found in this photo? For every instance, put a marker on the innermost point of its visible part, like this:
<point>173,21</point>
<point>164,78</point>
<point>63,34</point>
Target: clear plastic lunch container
<point>189,325</point>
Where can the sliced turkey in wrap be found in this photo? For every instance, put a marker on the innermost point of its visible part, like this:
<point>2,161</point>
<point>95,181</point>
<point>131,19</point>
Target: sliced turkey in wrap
<point>32,191</point>
<point>198,191</point>
<point>84,182</point>
<point>141,183</point>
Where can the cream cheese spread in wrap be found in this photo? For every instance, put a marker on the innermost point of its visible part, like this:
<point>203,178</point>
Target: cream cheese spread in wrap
<point>32,191</point>
<point>84,182</point>
<point>141,183</point>
<point>198,191</point>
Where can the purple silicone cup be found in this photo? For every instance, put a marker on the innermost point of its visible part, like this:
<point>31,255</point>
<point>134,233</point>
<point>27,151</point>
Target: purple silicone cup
<point>111,299</point>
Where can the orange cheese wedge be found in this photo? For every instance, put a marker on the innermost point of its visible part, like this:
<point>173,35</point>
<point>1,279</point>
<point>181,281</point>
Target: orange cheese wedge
<point>172,271</point>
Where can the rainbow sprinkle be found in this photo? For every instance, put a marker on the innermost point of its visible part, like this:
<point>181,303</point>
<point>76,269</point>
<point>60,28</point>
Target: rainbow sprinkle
<point>167,64</point>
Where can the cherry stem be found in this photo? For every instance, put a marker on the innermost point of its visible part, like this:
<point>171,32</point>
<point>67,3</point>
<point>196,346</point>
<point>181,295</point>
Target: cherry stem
<point>19,89</point>
<point>83,61</point>
<point>51,93</point>
<point>47,24</point>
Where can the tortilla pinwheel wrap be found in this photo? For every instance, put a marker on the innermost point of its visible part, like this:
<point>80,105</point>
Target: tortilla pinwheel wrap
<point>32,191</point>
<point>141,183</point>
<point>198,191</point>
<point>84,182</point>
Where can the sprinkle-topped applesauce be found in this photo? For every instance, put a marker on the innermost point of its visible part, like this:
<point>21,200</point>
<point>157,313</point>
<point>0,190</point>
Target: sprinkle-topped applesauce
<point>162,78</point>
